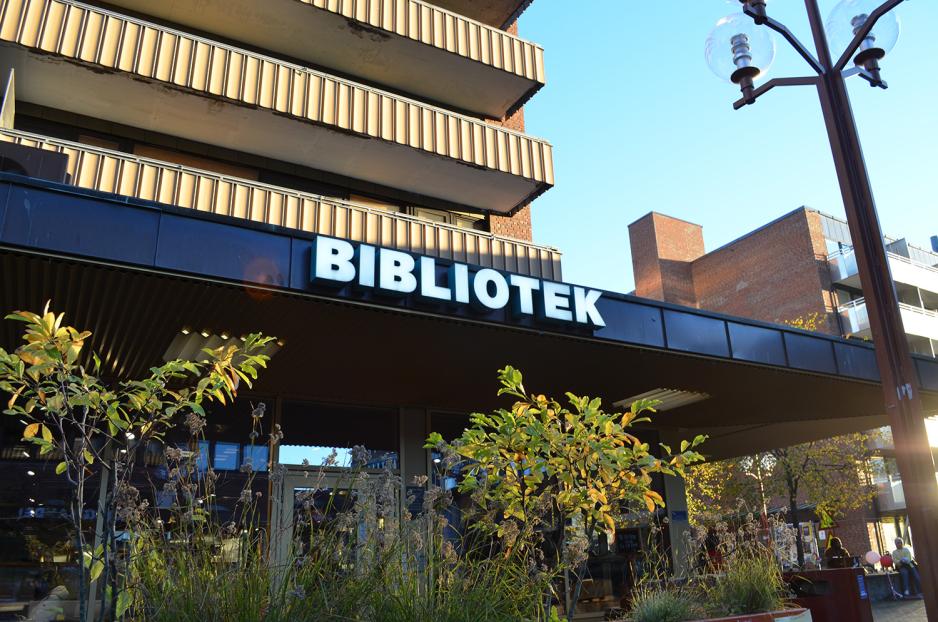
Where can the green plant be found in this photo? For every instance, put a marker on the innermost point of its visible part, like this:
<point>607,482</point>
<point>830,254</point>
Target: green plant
<point>346,563</point>
<point>542,466</point>
<point>751,582</point>
<point>664,605</point>
<point>98,427</point>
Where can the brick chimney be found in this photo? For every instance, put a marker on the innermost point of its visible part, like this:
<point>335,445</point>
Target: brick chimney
<point>662,251</point>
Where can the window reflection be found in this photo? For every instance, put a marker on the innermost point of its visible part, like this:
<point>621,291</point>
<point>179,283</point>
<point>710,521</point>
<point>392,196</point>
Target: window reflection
<point>38,560</point>
<point>325,434</point>
<point>37,552</point>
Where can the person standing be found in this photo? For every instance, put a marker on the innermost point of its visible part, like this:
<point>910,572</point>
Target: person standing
<point>908,569</point>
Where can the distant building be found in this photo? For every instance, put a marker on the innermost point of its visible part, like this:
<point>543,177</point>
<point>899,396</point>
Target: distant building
<point>796,267</point>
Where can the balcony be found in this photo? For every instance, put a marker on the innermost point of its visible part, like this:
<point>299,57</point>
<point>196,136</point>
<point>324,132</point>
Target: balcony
<point>498,13</point>
<point>144,178</point>
<point>844,271</point>
<point>405,45</point>
<point>918,322</point>
<point>94,62</point>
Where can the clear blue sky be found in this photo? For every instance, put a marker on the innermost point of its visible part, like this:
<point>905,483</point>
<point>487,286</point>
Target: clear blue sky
<point>639,123</point>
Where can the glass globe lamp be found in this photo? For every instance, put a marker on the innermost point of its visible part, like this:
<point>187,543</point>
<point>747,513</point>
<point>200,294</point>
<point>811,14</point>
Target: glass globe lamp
<point>846,20</point>
<point>739,51</point>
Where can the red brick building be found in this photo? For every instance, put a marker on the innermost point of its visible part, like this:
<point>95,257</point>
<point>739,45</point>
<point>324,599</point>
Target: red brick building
<point>798,266</point>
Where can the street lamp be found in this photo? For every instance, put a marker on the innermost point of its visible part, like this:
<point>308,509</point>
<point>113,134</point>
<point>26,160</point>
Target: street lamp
<point>865,31</point>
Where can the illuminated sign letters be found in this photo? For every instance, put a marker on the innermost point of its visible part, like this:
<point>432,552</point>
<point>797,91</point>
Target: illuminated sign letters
<point>336,262</point>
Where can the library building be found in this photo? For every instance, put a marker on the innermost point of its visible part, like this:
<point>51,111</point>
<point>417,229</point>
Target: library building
<point>355,179</point>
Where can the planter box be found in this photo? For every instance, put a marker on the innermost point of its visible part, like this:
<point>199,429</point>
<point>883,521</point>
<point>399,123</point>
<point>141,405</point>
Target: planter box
<point>789,615</point>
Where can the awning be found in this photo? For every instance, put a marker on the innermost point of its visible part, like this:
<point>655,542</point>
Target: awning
<point>105,275</point>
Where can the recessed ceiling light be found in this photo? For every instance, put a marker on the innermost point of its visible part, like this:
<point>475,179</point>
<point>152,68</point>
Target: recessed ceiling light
<point>205,333</point>
<point>668,399</point>
<point>30,473</point>
<point>186,330</point>
<point>31,500</point>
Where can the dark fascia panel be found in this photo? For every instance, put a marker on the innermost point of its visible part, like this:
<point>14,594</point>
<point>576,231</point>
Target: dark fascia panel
<point>62,220</point>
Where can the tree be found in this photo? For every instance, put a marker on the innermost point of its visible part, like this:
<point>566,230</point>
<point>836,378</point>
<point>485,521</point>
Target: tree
<point>579,464</point>
<point>716,488</point>
<point>828,473</point>
<point>98,427</point>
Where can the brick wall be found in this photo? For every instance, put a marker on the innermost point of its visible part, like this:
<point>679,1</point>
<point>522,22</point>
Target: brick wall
<point>663,252</point>
<point>776,273</point>
<point>854,531</point>
<point>518,225</point>
<point>515,226</point>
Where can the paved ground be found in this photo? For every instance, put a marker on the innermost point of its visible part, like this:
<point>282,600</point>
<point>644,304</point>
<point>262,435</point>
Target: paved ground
<point>899,611</point>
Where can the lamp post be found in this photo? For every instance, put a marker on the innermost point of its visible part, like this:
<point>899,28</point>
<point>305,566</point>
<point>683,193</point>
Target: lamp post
<point>870,29</point>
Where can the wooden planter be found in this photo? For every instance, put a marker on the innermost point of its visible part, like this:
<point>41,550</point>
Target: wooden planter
<point>788,615</point>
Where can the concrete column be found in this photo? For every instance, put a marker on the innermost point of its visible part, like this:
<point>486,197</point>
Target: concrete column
<point>414,430</point>
<point>675,497</point>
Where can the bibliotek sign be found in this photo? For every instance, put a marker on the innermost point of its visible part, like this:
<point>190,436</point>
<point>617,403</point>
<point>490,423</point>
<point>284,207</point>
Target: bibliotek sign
<point>340,263</point>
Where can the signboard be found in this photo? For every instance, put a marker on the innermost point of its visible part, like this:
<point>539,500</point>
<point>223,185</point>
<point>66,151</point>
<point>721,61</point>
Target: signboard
<point>337,263</point>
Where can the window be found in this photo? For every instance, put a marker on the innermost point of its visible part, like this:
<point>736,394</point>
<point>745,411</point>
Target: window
<point>374,203</point>
<point>463,220</point>
<point>194,161</point>
<point>316,430</point>
<point>226,456</point>
<point>97,141</point>
<point>256,456</point>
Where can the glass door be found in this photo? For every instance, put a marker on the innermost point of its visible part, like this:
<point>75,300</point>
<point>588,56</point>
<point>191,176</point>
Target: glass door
<point>324,511</point>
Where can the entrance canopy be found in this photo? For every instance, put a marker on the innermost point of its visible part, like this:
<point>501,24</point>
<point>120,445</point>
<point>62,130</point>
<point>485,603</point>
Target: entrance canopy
<point>138,274</point>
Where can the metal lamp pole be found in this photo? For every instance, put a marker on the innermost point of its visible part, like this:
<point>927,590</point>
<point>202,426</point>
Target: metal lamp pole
<point>896,367</point>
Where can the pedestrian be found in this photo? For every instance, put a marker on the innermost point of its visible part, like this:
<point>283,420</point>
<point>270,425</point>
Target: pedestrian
<point>908,570</point>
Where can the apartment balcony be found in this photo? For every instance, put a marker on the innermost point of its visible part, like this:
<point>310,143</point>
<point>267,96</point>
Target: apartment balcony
<point>406,45</point>
<point>844,271</point>
<point>145,178</point>
<point>498,13</point>
<point>918,322</point>
<point>97,63</point>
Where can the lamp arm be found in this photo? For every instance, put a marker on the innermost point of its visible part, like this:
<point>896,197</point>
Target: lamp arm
<point>865,29</point>
<point>866,75</point>
<point>771,84</point>
<point>783,30</point>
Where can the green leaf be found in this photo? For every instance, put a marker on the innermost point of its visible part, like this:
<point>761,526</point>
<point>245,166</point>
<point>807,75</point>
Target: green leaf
<point>97,566</point>
<point>47,433</point>
<point>124,601</point>
<point>61,468</point>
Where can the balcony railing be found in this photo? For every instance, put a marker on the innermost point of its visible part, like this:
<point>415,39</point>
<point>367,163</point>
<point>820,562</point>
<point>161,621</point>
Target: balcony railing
<point>411,46</point>
<point>844,270</point>
<point>498,13</point>
<point>917,321</point>
<point>182,186</point>
<point>185,85</point>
